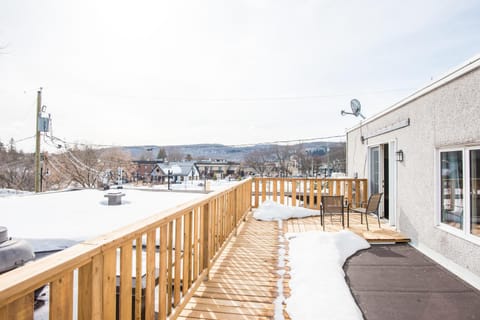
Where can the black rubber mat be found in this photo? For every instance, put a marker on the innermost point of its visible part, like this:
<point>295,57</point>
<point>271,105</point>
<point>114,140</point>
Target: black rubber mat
<point>391,282</point>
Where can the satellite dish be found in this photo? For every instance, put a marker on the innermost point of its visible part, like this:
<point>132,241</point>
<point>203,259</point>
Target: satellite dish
<point>356,109</point>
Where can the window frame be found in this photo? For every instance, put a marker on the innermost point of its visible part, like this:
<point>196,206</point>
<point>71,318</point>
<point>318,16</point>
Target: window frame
<point>465,231</point>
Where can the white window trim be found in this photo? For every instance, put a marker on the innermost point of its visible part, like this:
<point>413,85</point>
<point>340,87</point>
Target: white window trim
<point>464,233</point>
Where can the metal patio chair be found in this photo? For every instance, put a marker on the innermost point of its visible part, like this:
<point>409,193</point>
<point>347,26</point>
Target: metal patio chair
<point>332,205</point>
<point>372,207</point>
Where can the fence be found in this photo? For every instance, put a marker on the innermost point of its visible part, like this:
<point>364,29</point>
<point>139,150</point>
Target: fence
<point>307,192</point>
<point>145,270</point>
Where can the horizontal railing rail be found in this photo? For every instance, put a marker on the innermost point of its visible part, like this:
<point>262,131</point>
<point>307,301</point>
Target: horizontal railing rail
<point>146,270</point>
<point>307,192</point>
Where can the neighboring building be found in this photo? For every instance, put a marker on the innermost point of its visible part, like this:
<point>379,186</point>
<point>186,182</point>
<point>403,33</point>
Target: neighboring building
<point>218,168</point>
<point>179,172</point>
<point>143,170</point>
<point>423,153</point>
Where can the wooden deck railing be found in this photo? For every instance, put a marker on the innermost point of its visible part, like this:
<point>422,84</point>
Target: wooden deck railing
<point>171,251</point>
<point>307,192</point>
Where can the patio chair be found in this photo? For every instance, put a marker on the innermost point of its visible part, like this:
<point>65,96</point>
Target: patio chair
<point>372,207</point>
<point>332,205</point>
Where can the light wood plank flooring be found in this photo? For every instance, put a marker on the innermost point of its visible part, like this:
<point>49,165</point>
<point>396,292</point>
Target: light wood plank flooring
<point>243,281</point>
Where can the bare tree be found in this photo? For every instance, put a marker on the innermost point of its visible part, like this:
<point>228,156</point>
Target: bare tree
<point>81,166</point>
<point>89,168</point>
<point>282,157</point>
<point>113,160</point>
<point>175,154</point>
<point>16,168</point>
<point>258,161</point>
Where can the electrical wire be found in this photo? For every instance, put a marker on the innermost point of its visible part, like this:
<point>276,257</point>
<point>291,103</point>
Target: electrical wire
<point>54,167</point>
<point>15,141</point>
<point>301,140</point>
<point>250,99</point>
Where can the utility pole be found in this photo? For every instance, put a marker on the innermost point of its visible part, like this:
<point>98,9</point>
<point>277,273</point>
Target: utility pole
<point>37,141</point>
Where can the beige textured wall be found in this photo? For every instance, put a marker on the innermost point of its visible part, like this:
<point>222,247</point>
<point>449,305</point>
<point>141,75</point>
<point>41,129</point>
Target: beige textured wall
<point>447,116</point>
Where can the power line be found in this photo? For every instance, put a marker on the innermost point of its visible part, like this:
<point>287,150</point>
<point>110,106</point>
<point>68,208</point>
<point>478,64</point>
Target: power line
<point>19,140</point>
<point>300,140</point>
<point>253,99</point>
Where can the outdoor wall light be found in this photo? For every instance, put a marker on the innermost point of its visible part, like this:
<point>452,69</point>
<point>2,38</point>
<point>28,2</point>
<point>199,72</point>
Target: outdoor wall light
<point>400,155</point>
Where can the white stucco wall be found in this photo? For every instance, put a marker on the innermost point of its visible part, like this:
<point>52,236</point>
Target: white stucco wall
<point>446,116</point>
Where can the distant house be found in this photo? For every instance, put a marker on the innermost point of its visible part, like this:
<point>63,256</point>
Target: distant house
<point>179,172</point>
<point>143,169</point>
<point>423,154</point>
<point>218,168</point>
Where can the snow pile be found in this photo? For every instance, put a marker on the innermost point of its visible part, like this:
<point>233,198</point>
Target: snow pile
<point>270,210</point>
<point>318,287</point>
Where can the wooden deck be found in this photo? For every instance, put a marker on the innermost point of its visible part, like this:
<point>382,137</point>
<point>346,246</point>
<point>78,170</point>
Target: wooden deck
<point>243,281</point>
<point>385,234</point>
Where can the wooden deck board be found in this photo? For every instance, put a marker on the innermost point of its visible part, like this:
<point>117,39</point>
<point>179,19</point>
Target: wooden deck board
<point>384,234</point>
<point>243,281</point>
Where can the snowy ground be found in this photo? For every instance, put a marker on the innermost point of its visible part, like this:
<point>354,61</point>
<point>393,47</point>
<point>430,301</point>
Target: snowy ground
<point>316,259</point>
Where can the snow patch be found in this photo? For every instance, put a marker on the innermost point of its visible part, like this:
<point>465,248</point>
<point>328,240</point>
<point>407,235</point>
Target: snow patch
<point>318,287</point>
<point>270,210</point>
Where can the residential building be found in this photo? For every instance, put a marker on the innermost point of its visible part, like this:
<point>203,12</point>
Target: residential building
<point>143,169</point>
<point>423,154</point>
<point>218,168</point>
<point>178,171</point>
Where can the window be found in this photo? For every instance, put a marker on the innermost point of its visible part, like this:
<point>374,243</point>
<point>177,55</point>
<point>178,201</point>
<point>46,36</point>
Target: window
<point>475,192</point>
<point>460,191</point>
<point>452,188</point>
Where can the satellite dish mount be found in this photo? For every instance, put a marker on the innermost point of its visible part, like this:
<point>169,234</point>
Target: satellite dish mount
<point>356,109</point>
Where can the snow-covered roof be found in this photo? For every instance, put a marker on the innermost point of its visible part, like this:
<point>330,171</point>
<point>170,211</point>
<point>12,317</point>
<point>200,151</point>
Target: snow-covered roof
<point>177,168</point>
<point>53,218</point>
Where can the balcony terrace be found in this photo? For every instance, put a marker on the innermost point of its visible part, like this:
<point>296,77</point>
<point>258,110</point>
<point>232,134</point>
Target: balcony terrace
<point>208,259</point>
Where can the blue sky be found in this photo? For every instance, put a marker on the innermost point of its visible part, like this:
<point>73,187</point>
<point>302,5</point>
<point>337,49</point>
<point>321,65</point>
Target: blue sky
<point>232,72</point>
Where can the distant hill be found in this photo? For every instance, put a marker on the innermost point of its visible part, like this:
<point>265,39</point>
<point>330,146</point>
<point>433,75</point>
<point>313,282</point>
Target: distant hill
<point>231,153</point>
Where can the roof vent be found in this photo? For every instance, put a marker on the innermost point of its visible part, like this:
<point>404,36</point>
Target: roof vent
<point>13,253</point>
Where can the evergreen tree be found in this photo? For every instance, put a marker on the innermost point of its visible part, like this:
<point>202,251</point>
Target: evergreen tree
<point>162,154</point>
<point>11,147</point>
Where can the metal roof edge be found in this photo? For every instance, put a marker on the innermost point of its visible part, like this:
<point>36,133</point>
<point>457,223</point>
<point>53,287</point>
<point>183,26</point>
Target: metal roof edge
<point>469,65</point>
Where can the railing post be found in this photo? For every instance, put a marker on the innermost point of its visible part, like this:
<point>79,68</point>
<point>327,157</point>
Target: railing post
<point>61,297</point>
<point>206,238</point>
<point>90,290</point>
<point>294,193</point>
<point>264,189</point>
<point>257,186</point>
<point>109,284</point>
<point>20,309</point>
<point>236,205</point>
<point>178,257</point>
